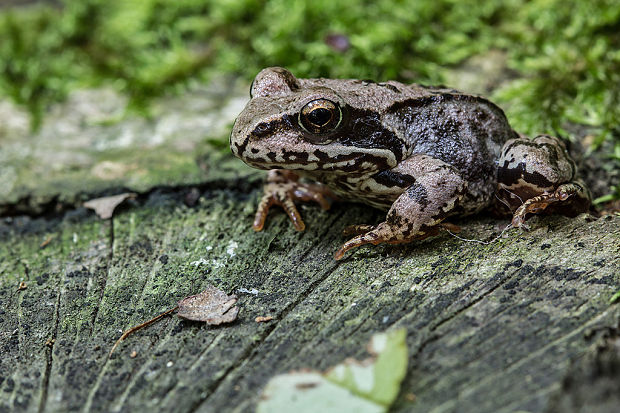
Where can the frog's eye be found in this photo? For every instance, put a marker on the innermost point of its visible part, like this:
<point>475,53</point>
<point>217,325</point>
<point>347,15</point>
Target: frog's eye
<point>320,116</point>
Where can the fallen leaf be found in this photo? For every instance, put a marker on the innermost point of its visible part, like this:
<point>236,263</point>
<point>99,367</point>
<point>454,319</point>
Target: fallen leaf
<point>212,306</point>
<point>368,386</point>
<point>311,393</point>
<point>104,207</point>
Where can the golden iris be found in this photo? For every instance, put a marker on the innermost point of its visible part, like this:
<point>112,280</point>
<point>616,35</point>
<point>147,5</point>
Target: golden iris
<point>320,116</point>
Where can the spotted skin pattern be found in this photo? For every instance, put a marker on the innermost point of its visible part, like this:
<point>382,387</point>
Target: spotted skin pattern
<point>421,153</point>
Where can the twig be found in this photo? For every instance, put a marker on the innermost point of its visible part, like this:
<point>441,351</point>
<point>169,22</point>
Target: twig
<point>139,327</point>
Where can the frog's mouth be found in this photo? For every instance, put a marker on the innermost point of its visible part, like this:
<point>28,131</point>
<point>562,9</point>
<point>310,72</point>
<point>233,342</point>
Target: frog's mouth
<point>331,158</point>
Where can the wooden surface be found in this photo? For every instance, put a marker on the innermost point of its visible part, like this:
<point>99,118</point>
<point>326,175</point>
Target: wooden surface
<point>522,324</point>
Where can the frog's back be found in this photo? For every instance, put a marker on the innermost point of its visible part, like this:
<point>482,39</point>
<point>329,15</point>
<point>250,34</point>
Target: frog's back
<point>465,131</point>
<point>462,130</point>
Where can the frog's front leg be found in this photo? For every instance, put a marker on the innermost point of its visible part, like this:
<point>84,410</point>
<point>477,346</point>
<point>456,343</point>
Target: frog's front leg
<point>539,175</point>
<point>283,188</point>
<point>419,210</point>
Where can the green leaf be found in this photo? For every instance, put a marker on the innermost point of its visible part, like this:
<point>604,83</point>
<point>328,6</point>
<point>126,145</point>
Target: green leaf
<point>310,393</point>
<point>371,385</point>
<point>379,381</point>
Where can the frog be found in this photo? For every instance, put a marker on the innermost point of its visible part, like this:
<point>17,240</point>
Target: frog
<point>422,153</point>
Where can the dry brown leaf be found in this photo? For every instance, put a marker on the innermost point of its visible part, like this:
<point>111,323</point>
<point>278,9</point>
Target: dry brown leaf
<point>212,306</point>
<point>104,207</point>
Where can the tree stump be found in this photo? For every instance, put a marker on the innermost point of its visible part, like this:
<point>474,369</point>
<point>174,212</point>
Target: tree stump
<point>524,323</point>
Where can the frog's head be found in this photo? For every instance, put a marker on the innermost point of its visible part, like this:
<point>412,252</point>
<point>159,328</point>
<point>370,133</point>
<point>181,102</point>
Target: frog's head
<point>312,125</point>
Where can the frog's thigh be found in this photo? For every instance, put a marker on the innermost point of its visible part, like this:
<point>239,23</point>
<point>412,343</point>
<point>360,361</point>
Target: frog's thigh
<point>437,188</point>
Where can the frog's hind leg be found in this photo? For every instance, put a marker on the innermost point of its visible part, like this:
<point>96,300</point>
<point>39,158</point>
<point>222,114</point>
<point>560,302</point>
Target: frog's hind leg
<point>539,176</point>
<point>418,212</point>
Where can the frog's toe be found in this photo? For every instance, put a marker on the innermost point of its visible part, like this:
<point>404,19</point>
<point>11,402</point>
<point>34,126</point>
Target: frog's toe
<point>261,212</point>
<point>450,227</point>
<point>293,214</point>
<point>358,241</point>
<point>381,233</point>
<point>307,193</point>
<point>285,202</point>
<point>518,221</point>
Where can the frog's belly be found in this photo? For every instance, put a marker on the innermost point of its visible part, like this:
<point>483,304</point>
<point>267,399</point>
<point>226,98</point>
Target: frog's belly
<point>357,189</point>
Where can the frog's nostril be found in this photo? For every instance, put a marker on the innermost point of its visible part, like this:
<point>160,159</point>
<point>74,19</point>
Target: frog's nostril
<point>262,129</point>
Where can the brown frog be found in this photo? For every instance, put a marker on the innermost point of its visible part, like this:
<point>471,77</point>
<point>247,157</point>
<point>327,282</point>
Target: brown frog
<point>422,153</point>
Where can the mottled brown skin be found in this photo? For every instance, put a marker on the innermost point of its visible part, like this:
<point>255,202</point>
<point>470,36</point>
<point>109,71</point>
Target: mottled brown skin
<point>422,153</point>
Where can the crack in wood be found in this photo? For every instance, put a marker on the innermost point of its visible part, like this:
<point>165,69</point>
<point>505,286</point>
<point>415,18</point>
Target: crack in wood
<point>538,352</point>
<point>134,374</point>
<point>107,274</point>
<point>198,359</point>
<point>53,206</point>
<point>49,355</point>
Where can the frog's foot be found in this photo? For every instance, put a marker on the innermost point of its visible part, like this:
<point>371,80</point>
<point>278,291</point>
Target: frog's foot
<point>371,234</point>
<point>283,188</point>
<point>384,233</point>
<point>568,199</point>
<point>418,212</point>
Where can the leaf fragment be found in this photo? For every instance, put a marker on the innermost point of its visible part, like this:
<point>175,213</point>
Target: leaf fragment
<point>104,207</point>
<point>212,306</point>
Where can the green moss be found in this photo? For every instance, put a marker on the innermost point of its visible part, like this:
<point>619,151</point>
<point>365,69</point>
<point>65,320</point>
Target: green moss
<point>564,53</point>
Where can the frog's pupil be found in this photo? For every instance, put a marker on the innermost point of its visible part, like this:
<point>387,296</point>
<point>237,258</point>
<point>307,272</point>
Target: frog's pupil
<point>320,116</point>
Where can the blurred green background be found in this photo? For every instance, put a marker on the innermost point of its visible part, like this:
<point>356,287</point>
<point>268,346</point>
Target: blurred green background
<point>560,58</point>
